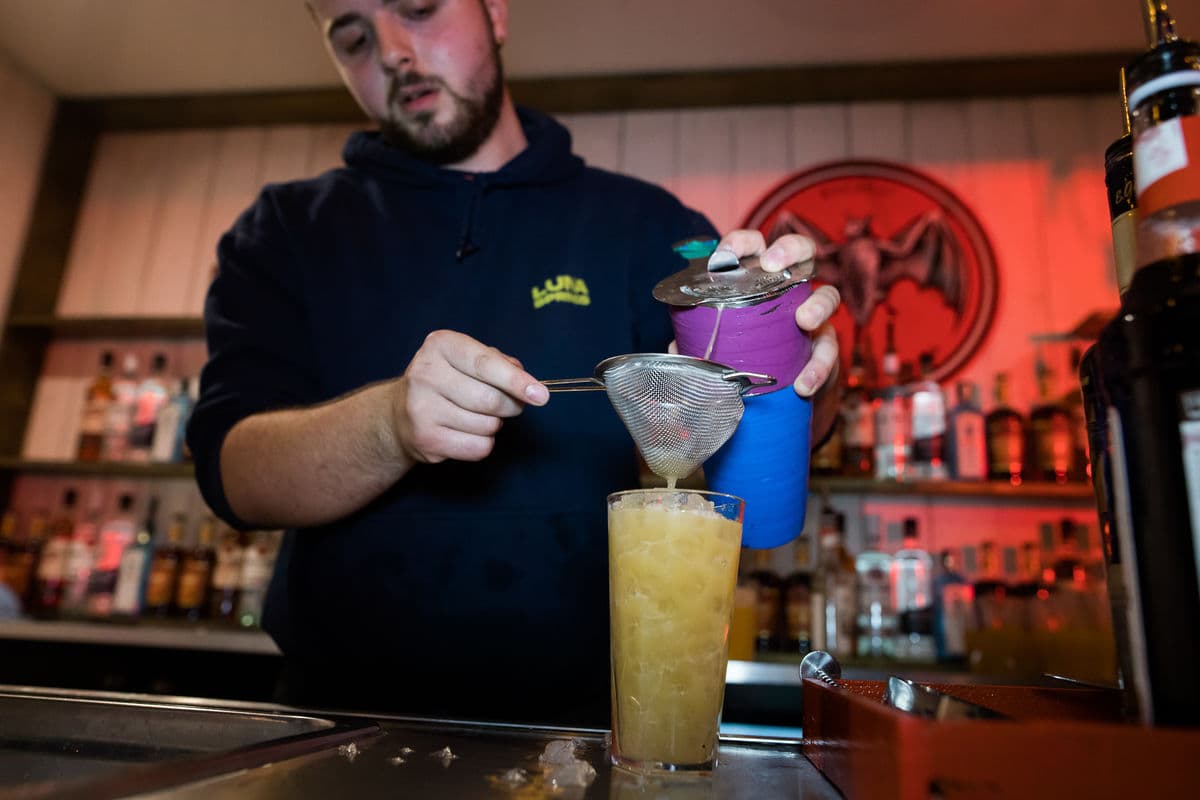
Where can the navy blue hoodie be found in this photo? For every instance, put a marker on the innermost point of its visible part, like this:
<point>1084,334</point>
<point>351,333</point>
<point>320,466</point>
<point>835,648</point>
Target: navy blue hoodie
<point>468,589</point>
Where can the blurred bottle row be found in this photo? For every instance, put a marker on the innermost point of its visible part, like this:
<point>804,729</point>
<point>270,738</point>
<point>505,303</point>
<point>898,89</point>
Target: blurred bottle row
<point>897,425</point>
<point>134,417</point>
<point>1040,606</point>
<point>104,565</point>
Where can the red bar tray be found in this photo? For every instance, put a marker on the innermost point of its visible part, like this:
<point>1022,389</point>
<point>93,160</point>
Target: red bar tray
<point>1057,743</point>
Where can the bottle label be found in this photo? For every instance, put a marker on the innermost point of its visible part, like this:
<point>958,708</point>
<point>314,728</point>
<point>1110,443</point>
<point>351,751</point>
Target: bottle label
<point>859,427</point>
<point>129,581</point>
<point>1189,431</point>
<point>256,569</point>
<point>1167,164</point>
<point>1052,438</point>
<point>1006,447</point>
<point>928,415</point>
<point>228,568</point>
<point>193,580</point>
<point>54,560</point>
<point>970,446</point>
<point>160,584</point>
<point>94,414</point>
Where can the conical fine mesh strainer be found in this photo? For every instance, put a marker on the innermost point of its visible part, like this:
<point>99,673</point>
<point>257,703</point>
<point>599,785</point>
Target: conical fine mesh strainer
<point>678,409</point>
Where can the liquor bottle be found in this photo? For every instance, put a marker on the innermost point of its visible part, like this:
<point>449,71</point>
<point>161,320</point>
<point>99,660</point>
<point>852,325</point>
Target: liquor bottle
<point>116,534</point>
<point>48,586</point>
<point>912,597</point>
<point>164,570</point>
<point>966,439</point>
<point>1031,593</point>
<point>834,589</point>
<point>991,590</point>
<point>149,400</point>
<point>797,598</point>
<point>1164,111</point>
<point>20,558</point>
<point>195,573</point>
<point>119,419</point>
<point>95,412</point>
<point>223,597</point>
<point>927,424</point>
<point>767,585</point>
<point>858,421</point>
<point>893,431</point>
<point>8,539</point>
<point>258,562</point>
<point>130,589</point>
<point>1005,437</point>
<point>1050,445</point>
<point>951,609</point>
<point>79,561</point>
<point>876,617</point>
<point>169,440</point>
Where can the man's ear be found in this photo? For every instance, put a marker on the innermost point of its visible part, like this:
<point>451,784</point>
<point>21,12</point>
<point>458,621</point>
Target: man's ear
<point>497,11</point>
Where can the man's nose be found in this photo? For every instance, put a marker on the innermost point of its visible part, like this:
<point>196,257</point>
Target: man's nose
<point>395,43</point>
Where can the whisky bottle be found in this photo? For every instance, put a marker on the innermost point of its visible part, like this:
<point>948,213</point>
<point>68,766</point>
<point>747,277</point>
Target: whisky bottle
<point>1050,443</point>
<point>164,570</point>
<point>858,421</point>
<point>195,573</point>
<point>1005,437</point>
<point>95,412</point>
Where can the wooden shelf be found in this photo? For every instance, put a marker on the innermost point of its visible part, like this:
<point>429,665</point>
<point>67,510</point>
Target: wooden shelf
<point>983,490</point>
<point>105,469</point>
<point>111,327</point>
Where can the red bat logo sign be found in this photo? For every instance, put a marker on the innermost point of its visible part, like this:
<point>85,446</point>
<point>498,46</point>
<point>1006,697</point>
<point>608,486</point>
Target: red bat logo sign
<point>887,235</point>
<point>864,266</point>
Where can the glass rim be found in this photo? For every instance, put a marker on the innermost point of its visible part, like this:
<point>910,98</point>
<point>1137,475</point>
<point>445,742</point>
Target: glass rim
<point>709,493</point>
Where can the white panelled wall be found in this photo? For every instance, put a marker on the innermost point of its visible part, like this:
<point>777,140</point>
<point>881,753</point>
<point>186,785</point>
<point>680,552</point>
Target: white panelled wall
<point>1030,169</point>
<point>24,131</point>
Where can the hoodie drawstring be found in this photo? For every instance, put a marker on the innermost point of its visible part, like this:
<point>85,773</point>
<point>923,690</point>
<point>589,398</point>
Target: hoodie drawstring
<point>466,247</point>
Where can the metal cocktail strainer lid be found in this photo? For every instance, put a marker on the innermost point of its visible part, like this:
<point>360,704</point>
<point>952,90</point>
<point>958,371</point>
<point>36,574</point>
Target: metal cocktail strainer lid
<point>722,279</point>
<point>678,409</point>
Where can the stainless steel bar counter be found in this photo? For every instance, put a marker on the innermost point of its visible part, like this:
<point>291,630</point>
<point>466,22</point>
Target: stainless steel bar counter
<point>92,744</point>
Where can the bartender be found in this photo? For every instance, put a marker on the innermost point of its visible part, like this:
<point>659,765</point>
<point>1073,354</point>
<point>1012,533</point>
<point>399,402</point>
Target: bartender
<point>376,339</point>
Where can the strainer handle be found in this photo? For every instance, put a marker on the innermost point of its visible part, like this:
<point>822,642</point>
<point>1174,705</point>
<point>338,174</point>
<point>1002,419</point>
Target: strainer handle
<point>748,380</point>
<point>574,385</point>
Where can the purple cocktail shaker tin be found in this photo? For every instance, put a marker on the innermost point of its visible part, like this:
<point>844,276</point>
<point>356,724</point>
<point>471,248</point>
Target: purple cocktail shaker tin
<point>737,314</point>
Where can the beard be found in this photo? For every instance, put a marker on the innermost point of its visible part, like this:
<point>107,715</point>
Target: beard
<point>474,118</point>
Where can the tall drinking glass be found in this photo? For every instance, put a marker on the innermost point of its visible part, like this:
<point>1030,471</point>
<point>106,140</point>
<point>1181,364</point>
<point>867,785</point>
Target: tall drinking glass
<point>673,560</point>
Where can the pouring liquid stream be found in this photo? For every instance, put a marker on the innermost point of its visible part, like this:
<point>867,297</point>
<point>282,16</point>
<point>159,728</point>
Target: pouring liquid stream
<point>712,340</point>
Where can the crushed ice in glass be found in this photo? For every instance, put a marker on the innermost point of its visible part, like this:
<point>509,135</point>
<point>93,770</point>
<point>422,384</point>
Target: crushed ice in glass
<point>445,755</point>
<point>349,751</point>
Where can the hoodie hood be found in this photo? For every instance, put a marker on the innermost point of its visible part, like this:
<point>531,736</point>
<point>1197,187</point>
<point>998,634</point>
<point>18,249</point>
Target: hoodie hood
<point>546,159</point>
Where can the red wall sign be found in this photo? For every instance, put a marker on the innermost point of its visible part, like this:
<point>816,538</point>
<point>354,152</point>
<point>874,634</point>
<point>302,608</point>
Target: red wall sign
<point>894,242</point>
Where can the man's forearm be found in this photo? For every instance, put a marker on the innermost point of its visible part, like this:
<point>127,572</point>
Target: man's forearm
<point>310,466</point>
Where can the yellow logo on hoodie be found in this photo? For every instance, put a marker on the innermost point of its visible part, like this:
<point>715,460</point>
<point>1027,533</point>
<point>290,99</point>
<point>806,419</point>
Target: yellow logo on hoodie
<point>563,289</point>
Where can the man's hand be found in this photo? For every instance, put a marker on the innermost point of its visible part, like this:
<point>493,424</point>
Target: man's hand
<point>455,395</point>
<point>818,378</point>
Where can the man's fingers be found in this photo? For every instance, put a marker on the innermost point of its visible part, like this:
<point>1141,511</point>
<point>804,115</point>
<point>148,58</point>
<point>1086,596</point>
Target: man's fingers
<point>743,243</point>
<point>817,309</point>
<point>488,365</point>
<point>821,365</point>
<point>787,251</point>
